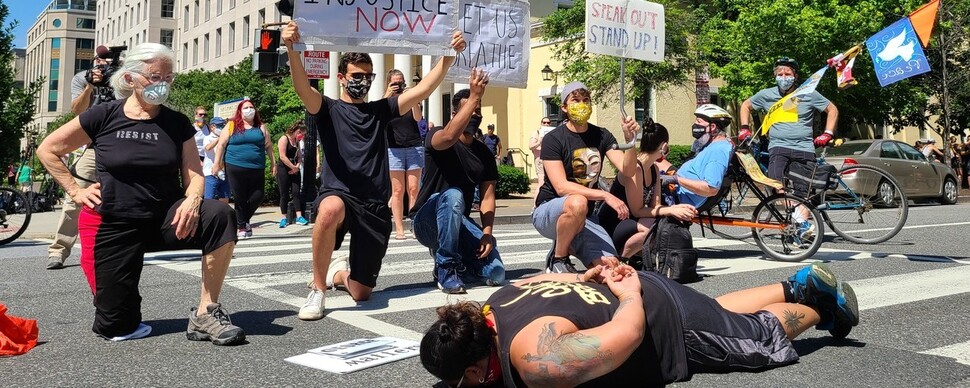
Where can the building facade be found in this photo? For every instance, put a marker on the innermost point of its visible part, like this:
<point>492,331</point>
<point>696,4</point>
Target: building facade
<point>60,43</point>
<point>130,22</point>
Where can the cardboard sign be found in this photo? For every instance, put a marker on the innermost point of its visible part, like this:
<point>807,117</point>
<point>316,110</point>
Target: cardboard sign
<point>498,36</point>
<point>226,109</point>
<point>625,28</point>
<point>377,26</point>
<point>354,355</point>
<point>896,53</point>
<point>316,64</point>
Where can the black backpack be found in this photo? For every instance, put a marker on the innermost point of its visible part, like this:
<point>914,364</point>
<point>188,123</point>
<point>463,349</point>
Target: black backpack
<point>670,251</point>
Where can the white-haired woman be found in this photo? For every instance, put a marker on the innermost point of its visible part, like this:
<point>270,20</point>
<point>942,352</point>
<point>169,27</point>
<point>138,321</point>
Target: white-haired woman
<point>138,205</point>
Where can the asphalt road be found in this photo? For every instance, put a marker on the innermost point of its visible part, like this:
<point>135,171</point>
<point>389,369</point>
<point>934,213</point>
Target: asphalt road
<point>913,332</point>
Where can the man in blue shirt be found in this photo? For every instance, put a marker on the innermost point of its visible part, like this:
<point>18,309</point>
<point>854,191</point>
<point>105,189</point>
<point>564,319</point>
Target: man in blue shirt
<point>700,177</point>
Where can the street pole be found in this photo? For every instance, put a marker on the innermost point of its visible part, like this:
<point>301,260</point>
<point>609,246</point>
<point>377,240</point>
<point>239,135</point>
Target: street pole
<point>946,91</point>
<point>308,192</point>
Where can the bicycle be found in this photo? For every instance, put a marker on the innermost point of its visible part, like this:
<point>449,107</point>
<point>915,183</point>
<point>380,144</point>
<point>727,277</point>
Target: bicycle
<point>14,214</point>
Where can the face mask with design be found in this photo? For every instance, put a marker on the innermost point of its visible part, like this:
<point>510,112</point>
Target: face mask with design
<point>697,131</point>
<point>248,113</point>
<point>156,93</point>
<point>579,112</point>
<point>357,88</point>
<point>785,82</point>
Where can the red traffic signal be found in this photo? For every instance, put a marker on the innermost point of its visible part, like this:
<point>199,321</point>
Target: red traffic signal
<point>268,41</point>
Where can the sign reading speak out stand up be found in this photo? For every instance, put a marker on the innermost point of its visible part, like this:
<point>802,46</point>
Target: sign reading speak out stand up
<point>498,40</point>
<point>626,29</point>
<point>385,26</point>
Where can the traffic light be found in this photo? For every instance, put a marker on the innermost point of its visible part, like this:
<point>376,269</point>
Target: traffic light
<point>285,7</point>
<point>266,58</point>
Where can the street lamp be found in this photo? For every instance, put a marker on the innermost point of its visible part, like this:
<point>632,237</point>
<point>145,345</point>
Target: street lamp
<point>547,73</point>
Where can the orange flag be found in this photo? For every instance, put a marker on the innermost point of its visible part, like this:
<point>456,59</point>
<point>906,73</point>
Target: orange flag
<point>17,335</point>
<point>923,20</point>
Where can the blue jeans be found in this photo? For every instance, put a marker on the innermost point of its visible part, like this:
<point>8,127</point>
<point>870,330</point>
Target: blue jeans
<point>442,226</point>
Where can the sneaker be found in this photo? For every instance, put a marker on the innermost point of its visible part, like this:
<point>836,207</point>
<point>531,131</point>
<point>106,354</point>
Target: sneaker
<point>214,326</point>
<point>337,263</point>
<point>312,310</point>
<point>283,222</point>
<point>449,281</point>
<point>561,265</point>
<point>249,230</point>
<point>817,286</point>
<point>141,331</point>
<point>803,237</point>
<point>492,283</point>
<point>302,221</point>
<point>55,262</point>
<point>241,234</point>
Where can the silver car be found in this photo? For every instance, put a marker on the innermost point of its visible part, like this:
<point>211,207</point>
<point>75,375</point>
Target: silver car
<point>919,178</point>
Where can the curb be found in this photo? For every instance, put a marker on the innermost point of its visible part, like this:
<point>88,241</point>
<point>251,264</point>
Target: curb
<point>499,220</point>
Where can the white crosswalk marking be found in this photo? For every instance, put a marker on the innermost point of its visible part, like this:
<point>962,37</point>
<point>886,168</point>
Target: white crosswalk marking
<point>959,352</point>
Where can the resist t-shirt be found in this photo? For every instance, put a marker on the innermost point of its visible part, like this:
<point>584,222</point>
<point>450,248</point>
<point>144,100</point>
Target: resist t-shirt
<point>462,166</point>
<point>792,135</point>
<point>139,161</point>
<point>354,142</point>
<point>581,154</point>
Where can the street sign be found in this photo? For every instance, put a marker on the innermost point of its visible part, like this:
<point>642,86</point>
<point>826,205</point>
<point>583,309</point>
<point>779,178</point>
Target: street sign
<point>316,64</point>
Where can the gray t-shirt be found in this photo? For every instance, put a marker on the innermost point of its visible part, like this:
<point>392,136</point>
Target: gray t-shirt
<point>78,83</point>
<point>792,135</point>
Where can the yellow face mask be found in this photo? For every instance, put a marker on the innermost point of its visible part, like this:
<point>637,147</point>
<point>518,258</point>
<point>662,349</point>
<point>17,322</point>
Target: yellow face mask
<point>579,112</point>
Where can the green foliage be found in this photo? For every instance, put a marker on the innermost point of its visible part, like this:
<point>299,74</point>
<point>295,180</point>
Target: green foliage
<point>16,104</point>
<point>511,180</point>
<point>59,121</point>
<point>601,73</point>
<point>678,154</point>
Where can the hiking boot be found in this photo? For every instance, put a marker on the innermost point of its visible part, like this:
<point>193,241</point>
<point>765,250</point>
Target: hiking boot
<point>817,286</point>
<point>561,265</point>
<point>337,263</point>
<point>141,331</point>
<point>313,308</point>
<point>214,326</point>
<point>449,281</point>
<point>55,262</point>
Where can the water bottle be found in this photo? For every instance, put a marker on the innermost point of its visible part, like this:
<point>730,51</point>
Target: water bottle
<point>221,175</point>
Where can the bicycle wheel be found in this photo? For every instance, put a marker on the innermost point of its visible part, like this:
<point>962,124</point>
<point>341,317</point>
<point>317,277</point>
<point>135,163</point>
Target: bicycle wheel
<point>868,206</point>
<point>795,240</point>
<point>739,201</point>
<point>14,215</point>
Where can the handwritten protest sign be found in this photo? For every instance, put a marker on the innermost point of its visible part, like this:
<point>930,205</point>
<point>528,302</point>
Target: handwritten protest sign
<point>498,34</point>
<point>414,27</point>
<point>354,355</point>
<point>625,28</point>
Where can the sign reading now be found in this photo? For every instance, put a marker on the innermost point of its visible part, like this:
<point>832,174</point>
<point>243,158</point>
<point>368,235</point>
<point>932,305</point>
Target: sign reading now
<point>625,28</point>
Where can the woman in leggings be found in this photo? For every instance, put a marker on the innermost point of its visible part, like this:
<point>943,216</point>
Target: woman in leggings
<point>288,171</point>
<point>245,146</point>
<point>148,197</point>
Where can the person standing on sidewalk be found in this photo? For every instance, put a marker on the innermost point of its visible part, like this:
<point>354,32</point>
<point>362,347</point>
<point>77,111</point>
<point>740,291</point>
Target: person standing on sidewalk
<point>405,153</point>
<point>201,130</point>
<point>456,163</point>
<point>288,169</point>
<point>242,153</point>
<point>216,186</point>
<point>494,143</point>
<point>356,186</point>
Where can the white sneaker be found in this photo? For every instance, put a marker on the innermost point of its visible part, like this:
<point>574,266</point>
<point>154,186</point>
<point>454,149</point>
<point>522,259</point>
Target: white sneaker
<point>241,234</point>
<point>142,331</point>
<point>313,308</point>
<point>336,264</point>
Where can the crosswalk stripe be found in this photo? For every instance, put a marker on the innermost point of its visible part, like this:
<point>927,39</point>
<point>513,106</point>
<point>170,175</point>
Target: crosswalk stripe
<point>960,352</point>
<point>892,290</point>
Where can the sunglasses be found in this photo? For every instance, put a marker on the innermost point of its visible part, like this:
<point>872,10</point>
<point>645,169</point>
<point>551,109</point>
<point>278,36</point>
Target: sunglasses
<point>546,123</point>
<point>200,114</point>
<point>362,76</point>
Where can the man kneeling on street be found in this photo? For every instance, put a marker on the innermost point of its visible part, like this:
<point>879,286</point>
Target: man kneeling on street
<point>455,164</point>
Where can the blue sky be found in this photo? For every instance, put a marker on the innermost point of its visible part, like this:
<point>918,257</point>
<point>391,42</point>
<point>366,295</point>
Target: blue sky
<point>25,13</point>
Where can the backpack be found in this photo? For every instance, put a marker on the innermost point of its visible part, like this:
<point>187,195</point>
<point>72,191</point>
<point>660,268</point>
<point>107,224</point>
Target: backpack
<point>670,251</point>
<point>812,177</point>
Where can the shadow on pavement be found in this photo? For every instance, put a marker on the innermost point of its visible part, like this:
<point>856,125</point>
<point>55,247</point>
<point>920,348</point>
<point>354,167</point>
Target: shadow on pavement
<point>808,346</point>
<point>252,322</point>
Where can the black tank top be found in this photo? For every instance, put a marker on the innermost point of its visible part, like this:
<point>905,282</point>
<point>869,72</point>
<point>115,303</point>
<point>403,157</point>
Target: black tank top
<point>661,357</point>
<point>608,218</point>
<point>291,152</point>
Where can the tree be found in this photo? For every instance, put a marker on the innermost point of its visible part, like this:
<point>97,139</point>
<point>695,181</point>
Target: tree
<point>601,73</point>
<point>16,104</point>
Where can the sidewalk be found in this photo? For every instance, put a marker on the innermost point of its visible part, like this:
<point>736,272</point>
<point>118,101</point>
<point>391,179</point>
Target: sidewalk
<point>515,210</point>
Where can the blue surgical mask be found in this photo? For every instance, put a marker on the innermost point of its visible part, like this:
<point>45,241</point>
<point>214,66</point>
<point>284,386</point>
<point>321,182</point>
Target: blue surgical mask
<point>785,82</point>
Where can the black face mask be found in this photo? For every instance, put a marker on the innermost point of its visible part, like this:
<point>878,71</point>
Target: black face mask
<point>698,130</point>
<point>357,88</point>
<point>474,123</point>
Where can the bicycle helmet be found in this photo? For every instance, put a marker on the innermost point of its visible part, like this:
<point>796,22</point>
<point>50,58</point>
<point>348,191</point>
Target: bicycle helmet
<point>785,61</point>
<point>714,114</point>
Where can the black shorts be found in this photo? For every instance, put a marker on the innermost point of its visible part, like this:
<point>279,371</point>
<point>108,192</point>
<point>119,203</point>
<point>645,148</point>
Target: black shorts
<point>780,157</point>
<point>718,340</point>
<point>370,226</point>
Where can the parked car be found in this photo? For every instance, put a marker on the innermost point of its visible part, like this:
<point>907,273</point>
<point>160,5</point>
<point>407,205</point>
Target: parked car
<point>918,177</point>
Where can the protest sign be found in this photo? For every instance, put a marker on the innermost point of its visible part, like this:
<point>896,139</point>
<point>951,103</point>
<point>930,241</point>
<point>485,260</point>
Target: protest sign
<point>377,26</point>
<point>354,355</point>
<point>498,35</point>
<point>317,64</point>
<point>226,109</point>
<point>625,28</point>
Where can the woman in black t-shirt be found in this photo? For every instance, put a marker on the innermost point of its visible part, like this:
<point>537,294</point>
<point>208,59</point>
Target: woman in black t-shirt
<point>146,153</point>
<point>405,152</point>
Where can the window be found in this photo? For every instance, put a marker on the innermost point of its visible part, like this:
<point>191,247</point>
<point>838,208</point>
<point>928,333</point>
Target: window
<point>262,17</point>
<point>166,37</point>
<point>55,43</point>
<point>185,20</point>
<point>54,78</point>
<point>641,107</point>
<point>56,23</point>
<point>137,38</point>
<point>82,43</point>
<point>218,7</point>
<point>195,51</point>
<point>245,31</point>
<point>232,36</point>
<point>85,23</point>
<point>218,42</point>
<point>196,13</point>
<point>208,4</point>
<point>205,48</point>
<point>82,65</point>
<point>889,150</point>
<point>138,13</point>
<point>126,21</point>
<point>551,109</point>
<point>185,56</point>
<point>232,4</point>
<point>168,8</point>
<point>910,152</point>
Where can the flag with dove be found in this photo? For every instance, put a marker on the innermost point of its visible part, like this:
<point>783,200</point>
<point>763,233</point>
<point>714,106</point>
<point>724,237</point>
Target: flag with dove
<point>897,50</point>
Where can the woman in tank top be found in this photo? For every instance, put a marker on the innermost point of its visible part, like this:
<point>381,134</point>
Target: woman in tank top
<point>288,171</point>
<point>405,151</point>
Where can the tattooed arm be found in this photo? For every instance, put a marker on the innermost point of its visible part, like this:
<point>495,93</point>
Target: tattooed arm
<point>553,352</point>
